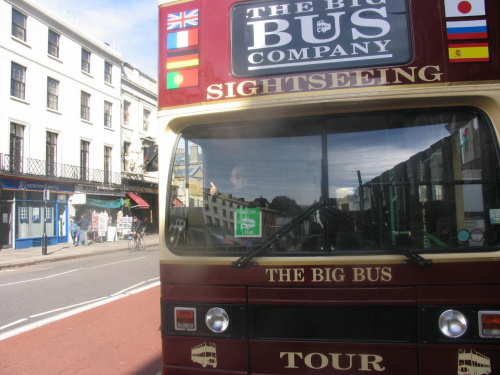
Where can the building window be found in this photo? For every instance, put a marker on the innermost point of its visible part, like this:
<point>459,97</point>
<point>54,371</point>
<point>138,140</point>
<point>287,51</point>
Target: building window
<point>108,72</point>
<point>18,25</point>
<point>107,164</point>
<point>18,81</point>
<point>146,115</point>
<point>53,43</point>
<point>180,187</point>
<point>85,60</point>
<point>52,93</point>
<point>23,214</point>
<point>51,154</point>
<point>126,110</point>
<point>84,160</point>
<point>85,106</point>
<point>107,114</point>
<point>16,148</point>
<point>126,150</point>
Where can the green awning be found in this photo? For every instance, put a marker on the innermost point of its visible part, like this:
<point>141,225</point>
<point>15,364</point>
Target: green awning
<point>116,203</point>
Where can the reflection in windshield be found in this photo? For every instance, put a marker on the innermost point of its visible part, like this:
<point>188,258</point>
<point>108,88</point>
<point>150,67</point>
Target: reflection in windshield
<point>420,181</point>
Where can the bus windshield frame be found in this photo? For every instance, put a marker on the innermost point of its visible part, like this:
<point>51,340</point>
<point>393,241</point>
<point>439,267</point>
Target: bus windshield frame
<point>394,182</point>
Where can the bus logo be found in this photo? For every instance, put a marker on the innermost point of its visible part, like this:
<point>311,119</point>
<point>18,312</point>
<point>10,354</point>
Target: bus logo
<point>205,354</point>
<point>323,26</point>
<point>471,362</point>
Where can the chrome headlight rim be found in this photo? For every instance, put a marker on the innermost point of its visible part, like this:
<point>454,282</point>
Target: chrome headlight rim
<point>217,320</point>
<point>453,323</point>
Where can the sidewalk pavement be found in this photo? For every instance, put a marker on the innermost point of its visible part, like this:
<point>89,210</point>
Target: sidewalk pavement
<point>10,258</point>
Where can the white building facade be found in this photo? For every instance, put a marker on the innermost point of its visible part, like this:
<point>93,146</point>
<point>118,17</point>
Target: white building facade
<point>60,123</point>
<point>139,132</point>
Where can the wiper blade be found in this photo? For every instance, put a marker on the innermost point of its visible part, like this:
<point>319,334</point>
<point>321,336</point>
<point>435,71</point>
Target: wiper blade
<point>414,257</point>
<point>243,261</point>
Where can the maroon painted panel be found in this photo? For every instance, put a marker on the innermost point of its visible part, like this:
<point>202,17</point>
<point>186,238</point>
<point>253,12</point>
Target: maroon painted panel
<point>341,296</point>
<point>230,355</point>
<point>430,62</point>
<point>332,358</point>
<point>463,295</point>
<point>203,294</point>
<point>460,273</point>
<point>450,359</point>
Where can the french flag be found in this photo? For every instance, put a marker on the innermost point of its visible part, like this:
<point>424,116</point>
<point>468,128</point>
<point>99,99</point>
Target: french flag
<point>182,39</point>
<point>467,30</point>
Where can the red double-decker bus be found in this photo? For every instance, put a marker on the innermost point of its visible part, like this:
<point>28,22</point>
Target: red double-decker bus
<point>330,186</point>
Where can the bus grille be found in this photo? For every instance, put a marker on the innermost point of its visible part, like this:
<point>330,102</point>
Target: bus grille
<point>334,323</point>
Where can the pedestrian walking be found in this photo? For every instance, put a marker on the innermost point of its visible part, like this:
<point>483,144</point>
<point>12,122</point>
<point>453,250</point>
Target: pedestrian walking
<point>74,229</point>
<point>83,223</point>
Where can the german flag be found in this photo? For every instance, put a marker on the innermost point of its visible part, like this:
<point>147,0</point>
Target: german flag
<point>184,60</point>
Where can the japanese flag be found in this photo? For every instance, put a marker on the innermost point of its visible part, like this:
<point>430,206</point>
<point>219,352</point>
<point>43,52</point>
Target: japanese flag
<point>464,8</point>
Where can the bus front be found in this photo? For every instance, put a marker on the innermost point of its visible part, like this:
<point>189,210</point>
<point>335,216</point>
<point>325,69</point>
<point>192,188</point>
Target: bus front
<point>329,191</point>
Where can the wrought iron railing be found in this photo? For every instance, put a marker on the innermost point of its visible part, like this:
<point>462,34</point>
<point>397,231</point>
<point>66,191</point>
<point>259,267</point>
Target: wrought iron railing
<point>36,167</point>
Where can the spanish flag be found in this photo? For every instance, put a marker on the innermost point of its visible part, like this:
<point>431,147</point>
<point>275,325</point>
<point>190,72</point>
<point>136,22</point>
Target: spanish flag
<point>468,52</point>
<point>182,78</point>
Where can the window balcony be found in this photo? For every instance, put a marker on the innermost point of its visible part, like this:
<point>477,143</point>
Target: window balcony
<point>41,168</point>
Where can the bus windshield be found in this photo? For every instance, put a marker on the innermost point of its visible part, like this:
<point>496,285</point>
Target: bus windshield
<point>424,180</point>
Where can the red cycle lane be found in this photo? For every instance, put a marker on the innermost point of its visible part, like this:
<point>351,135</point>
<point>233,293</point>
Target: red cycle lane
<point>121,337</point>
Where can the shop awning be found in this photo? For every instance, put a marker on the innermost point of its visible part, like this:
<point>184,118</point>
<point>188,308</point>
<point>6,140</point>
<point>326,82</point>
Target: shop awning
<point>141,203</point>
<point>116,203</point>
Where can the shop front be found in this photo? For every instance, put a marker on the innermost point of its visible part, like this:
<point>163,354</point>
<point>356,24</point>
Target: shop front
<point>25,215</point>
<point>102,206</point>
<point>143,203</point>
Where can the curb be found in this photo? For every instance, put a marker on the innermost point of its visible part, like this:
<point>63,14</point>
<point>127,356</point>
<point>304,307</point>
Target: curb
<point>33,262</point>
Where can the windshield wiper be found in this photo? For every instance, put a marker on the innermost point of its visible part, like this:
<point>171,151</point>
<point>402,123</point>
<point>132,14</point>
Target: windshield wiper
<point>242,261</point>
<point>414,257</point>
<point>245,259</point>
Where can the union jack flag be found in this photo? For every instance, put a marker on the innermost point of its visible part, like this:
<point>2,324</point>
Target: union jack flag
<point>180,20</point>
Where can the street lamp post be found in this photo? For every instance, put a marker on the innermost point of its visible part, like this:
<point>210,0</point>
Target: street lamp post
<point>46,196</point>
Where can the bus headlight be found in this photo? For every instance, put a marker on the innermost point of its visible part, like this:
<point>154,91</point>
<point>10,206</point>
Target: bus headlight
<point>217,320</point>
<point>452,323</point>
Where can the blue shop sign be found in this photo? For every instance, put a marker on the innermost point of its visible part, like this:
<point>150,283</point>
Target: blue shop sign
<point>17,184</point>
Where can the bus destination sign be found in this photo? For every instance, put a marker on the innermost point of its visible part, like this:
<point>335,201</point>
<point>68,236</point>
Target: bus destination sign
<point>275,37</point>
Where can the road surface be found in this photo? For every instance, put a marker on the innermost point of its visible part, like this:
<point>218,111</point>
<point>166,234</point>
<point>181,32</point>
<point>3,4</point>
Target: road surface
<point>120,337</point>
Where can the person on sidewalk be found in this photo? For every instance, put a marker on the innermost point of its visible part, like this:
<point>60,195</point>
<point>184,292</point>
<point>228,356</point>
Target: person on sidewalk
<point>83,223</point>
<point>75,231</point>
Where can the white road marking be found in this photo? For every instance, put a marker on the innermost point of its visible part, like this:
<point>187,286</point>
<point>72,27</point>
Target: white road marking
<point>67,307</point>
<point>124,290</point>
<point>67,314</point>
<point>110,264</point>
<point>64,273</point>
<point>13,323</point>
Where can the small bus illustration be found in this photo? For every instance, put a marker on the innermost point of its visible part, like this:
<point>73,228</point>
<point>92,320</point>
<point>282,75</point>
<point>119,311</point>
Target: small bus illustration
<point>205,354</point>
<point>247,223</point>
<point>471,362</point>
<point>323,27</point>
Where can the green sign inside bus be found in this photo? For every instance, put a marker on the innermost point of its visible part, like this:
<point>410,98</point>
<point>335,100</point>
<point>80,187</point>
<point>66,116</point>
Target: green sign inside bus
<point>248,222</point>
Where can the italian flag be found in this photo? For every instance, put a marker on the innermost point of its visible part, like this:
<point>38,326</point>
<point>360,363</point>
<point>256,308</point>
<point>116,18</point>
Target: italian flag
<point>182,78</point>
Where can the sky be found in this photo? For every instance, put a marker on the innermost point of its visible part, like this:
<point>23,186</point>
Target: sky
<point>132,25</point>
